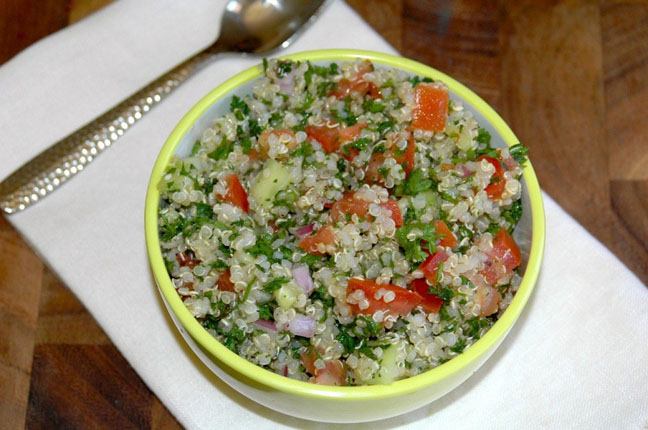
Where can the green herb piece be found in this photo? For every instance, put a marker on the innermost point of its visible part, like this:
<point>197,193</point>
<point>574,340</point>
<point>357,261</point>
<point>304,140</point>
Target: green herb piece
<point>222,151</point>
<point>341,165</point>
<point>225,250</point>
<point>239,108</point>
<point>519,153</point>
<point>195,148</point>
<point>444,293</point>
<point>439,274</point>
<point>414,249</point>
<point>275,284</point>
<point>373,106</point>
<point>448,197</point>
<point>459,346</point>
<point>219,264</point>
<point>475,326</point>
<point>169,230</point>
<point>371,328</point>
<point>304,150</point>
<point>169,265</point>
<point>248,288</point>
<point>347,341</point>
<point>465,232</point>
<point>265,311</point>
<point>483,136</point>
<point>276,118</point>
<point>265,65</point>
<point>234,338</point>
<point>324,88</point>
<point>246,144</point>
<point>493,228</point>
<point>254,129</point>
<point>417,182</point>
<point>284,67</point>
<point>386,125</point>
<point>410,215</point>
<point>513,214</point>
<point>323,296</point>
<point>263,246</point>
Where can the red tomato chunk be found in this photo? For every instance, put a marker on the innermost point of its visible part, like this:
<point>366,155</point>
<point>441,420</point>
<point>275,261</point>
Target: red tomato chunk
<point>431,303</point>
<point>431,109</point>
<point>324,236</point>
<point>503,258</point>
<point>402,304</point>
<point>236,194</point>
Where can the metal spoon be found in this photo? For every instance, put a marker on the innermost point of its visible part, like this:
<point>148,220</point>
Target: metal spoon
<point>248,26</point>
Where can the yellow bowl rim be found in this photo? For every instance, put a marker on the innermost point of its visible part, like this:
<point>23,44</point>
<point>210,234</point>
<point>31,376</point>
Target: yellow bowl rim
<point>314,391</point>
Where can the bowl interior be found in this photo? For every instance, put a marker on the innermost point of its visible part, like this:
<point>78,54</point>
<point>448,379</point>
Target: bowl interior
<point>529,233</point>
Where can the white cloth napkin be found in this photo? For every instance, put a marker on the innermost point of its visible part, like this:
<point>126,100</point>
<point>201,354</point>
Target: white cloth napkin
<point>578,356</point>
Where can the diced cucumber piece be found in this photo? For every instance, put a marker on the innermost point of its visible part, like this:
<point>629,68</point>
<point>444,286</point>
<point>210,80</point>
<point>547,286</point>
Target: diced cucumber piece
<point>273,178</point>
<point>287,295</point>
<point>389,370</point>
<point>431,198</point>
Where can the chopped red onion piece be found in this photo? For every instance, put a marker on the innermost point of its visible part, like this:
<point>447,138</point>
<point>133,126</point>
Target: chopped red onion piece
<point>302,325</point>
<point>465,172</point>
<point>302,277</point>
<point>305,230</point>
<point>266,325</point>
<point>287,84</point>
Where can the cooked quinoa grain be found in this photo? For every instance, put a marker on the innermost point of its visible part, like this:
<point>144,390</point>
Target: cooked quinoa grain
<point>344,224</point>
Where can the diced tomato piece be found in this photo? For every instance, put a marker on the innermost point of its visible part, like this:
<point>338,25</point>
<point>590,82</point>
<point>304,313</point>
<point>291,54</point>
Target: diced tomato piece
<point>333,374</point>
<point>328,137</point>
<point>264,145</point>
<point>374,91</point>
<point>448,238</point>
<point>396,215</point>
<point>402,304</point>
<point>497,183</point>
<point>364,67</point>
<point>504,257</point>
<point>325,236</point>
<point>254,155</point>
<point>372,174</point>
<point>347,135</point>
<point>349,205</point>
<point>406,159</point>
<point>489,299</point>
<point>308,360</point>
<point>332,138</point>
<point>224,283</point>
<point>346,86</point>
<point>236,194</point>
<point>431,303</point>
<point>431,109</point>
<point>430,266</point>
<point>185,260</point>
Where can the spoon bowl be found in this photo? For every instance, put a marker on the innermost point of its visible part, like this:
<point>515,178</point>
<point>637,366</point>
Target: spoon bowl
<point>260,26</point>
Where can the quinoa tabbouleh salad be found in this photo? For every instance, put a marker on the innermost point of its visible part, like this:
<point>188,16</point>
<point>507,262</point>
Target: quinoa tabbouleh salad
<point>344,224</point>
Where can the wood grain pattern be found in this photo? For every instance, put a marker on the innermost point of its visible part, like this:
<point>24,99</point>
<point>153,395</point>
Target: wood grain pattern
<point>570,77</point>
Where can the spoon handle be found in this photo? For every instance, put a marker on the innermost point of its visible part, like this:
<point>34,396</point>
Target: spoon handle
<point>50,169</point>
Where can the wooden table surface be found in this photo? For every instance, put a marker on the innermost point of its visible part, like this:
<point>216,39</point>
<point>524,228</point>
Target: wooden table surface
<point>570,78</point>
